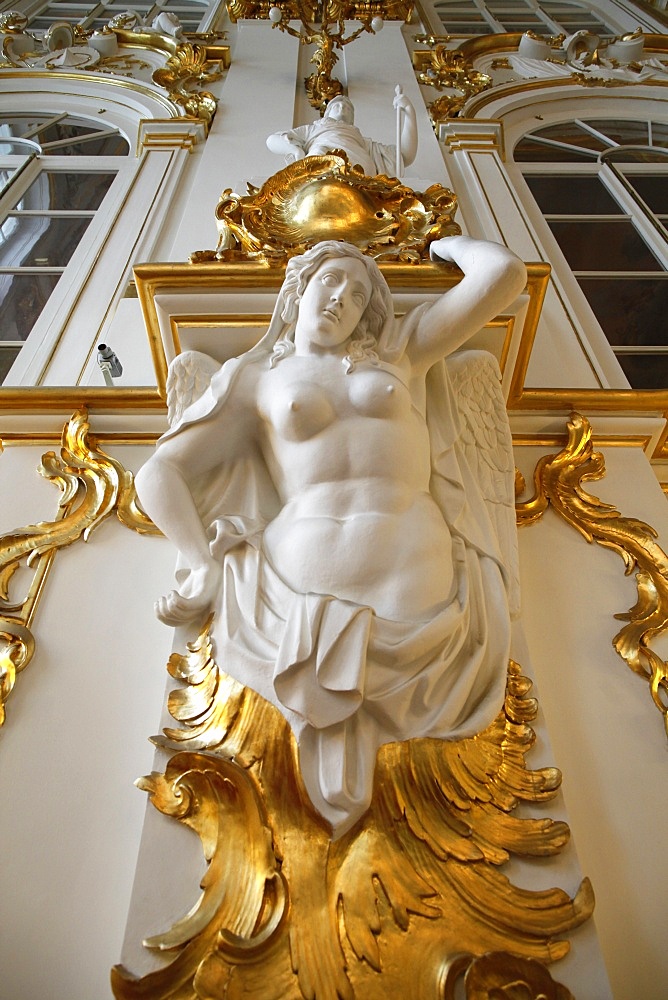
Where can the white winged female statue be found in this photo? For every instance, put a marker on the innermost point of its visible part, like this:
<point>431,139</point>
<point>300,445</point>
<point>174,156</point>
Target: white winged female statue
<point>343,500</point>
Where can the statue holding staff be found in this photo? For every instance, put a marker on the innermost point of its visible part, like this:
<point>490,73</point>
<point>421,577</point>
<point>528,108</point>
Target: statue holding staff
<point>337,130</point>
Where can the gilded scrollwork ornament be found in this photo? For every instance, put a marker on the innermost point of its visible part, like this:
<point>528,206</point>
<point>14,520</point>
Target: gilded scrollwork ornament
<point>449,69</point>
<point>287,913</point>
<point>558,483</point>
<point>502,976</point>
<point>324,197</point>
<point>183,72</point>
<point>92,485</point>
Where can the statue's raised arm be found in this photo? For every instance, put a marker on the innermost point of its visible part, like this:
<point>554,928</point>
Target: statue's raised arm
<point>333,505</point>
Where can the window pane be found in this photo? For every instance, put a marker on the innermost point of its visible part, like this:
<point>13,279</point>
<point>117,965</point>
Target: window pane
<point>529,151</point>
<point>603,245</point>
<point>572,195</point>
<point>497,5</point>
<point>61,191</point>
<point>624,132</point>
<point>632,312</point>
<point>8,355</point>
<point>40,240</point>
<point>515,20</point>
<point>645,371</point>
<point>22,298</point>
<point>574,134</point>
<point>652,189</point>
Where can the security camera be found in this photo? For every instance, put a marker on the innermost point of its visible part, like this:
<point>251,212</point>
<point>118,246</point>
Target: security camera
<point>109,363</point>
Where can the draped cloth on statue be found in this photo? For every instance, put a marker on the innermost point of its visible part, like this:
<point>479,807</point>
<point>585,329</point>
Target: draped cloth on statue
<point>347,680</point>
<point>325,135</point>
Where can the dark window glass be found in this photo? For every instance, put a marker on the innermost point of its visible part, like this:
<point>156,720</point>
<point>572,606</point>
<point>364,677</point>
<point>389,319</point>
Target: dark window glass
<point>631,311</point>
<point>529,151</point>
<point>626,133</point>
<point>496,5</point>
<point>652,190</point>
<point>645,371</point>
<point>67,191</point>
<point>22,298</point>
<point>574,134</point>
<point>603,245</point>
<point>520,20</point>
<point>41,240</point>
<point>8,355</point>
<point>569,194</point>
<point>72,132</point>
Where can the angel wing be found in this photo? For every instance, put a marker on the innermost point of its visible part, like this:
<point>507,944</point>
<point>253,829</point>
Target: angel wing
<point>488,448</point>
<point>188,378</point>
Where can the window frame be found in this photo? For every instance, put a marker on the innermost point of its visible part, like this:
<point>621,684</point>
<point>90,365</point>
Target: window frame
<point>631,209</point>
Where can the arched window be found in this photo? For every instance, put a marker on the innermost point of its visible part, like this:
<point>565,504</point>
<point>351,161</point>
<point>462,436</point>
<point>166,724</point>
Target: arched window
<point>55,172</point>
<point>602,187</point>
<point>194,15</point>
<point>549,17</point>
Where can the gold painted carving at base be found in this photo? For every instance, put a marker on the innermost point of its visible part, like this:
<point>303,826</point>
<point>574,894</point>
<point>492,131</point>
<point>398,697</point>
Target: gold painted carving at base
<point>286,913</point>
<point>93,485</point>
<point>558,483</point>
<point>324,197</point>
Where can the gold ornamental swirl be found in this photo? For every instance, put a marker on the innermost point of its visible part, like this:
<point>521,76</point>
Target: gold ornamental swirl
<point>190,65</point>
<point>501,976</point>
<point>558,483</point>
<point>92,486</point>
<point>415,883</point>
<point>449,69</point>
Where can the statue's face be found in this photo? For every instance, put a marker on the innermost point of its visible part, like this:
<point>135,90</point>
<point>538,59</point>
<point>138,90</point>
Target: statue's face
<point>340,111</point>
<point>332,305</point>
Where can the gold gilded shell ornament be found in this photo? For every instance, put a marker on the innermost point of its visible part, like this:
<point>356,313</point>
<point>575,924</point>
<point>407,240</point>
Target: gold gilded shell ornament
<point>325,197</point>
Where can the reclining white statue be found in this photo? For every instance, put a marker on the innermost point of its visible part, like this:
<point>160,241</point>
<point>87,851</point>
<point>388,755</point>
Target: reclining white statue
<point>343,500</point>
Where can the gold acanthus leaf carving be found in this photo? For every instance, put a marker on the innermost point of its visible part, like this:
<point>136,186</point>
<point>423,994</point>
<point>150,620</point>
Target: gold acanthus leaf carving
<point>17,646</point>
<point>446,68</point>
<point>501,976</point>
<point>415,881</point>
<point>190,65</point>
<point>92,486</point>
<point>558,483</point>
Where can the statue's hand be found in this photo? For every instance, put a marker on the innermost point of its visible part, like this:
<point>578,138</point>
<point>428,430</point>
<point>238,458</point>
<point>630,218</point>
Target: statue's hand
<point>401,101</point>
<point>194,599</point>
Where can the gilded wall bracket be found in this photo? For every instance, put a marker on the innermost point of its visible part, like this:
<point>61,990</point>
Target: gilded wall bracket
<point>558,483</point>
<point>389,909</point>
<point>92,486</point>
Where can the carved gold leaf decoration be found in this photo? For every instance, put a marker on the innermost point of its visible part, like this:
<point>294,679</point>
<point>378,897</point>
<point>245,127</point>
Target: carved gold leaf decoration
<point>92,486</point>
<point>334,10</point>
<point>449,69</point>
<point>190,65</point>
<point>17,646</point>
<point>324,197</point>
<point>558,483</point>
<point>414,882</point>
<point>501,976</point>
